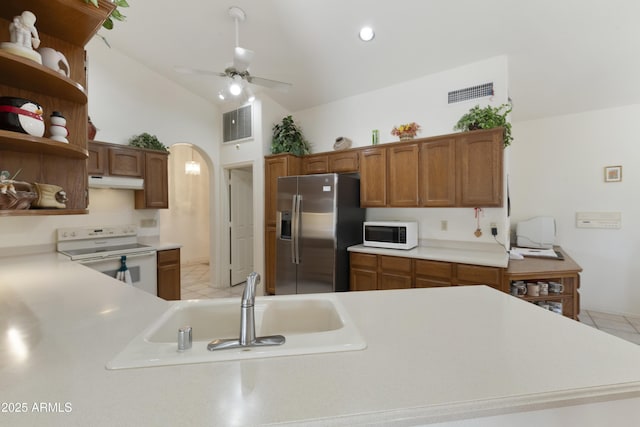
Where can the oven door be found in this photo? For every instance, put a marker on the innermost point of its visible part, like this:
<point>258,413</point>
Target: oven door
<point>141,265</point>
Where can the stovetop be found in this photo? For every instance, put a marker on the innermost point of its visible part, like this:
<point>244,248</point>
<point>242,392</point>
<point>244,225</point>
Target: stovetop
<point>99,242</point>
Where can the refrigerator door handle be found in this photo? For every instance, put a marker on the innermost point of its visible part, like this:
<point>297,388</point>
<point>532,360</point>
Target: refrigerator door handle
<point>293,228</point>
<point>296,234</point>
<point>298,220</point>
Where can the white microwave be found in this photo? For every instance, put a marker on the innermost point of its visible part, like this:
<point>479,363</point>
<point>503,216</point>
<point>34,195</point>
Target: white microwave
<point>390,234</point>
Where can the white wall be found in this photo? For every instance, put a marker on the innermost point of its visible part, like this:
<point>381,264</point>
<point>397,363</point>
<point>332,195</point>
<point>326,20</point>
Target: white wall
<point>557,169</point>
<point>423,101</point>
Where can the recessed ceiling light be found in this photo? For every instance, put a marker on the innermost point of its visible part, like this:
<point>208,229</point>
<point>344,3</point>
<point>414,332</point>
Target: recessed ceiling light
<point>366,34</point>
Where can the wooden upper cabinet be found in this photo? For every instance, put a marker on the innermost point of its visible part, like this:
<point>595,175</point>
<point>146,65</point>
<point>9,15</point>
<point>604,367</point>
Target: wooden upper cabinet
<point>126,162</point>
<point>437,166</point>
<point>315,163</point>
<point>479,168</point>
<point>344,161</point>
<point>156,182</point>
<point>403,176</point>
<point>373,177</point>
<point>97,161</point>
<point>274,167</point>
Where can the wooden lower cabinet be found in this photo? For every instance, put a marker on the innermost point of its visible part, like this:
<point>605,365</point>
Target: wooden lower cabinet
<point>168,264</point>
<point>270,260</point>
<point>566,272</point>
<point>432,274</point>
<point>379,272</point>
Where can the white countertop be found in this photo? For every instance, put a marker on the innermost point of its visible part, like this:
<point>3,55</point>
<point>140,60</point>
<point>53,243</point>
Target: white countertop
<point>158,244</point>
<point>488,254</point>
<point>432,355</point>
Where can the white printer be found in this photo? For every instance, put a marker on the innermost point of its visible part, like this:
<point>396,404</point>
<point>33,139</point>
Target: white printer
<point>536,232</point>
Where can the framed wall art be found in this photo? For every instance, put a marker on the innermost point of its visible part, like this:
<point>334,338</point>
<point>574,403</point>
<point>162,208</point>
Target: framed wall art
<point>613,173</point>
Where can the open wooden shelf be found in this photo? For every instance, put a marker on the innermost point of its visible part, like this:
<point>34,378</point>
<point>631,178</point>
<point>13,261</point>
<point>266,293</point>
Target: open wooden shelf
<point>21,142</point>
<point>40,212</point>
<point>80,20</point>
<point>26,74</point>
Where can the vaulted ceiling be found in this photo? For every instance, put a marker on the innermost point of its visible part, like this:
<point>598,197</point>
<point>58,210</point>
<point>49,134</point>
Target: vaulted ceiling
<point>564,56</point>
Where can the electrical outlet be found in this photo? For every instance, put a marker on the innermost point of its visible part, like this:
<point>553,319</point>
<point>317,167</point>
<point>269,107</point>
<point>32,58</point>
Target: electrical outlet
<point>494,229</point>
<point>444,225</point>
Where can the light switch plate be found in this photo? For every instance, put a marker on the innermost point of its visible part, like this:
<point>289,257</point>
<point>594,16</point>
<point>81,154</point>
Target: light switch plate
<point>611,220</point>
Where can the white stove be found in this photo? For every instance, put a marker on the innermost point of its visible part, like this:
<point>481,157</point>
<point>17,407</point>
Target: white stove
<point>102,249</point>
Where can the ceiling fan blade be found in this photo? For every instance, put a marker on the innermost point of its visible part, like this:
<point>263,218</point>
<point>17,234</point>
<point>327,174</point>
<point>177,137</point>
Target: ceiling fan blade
<point>271,84</point>
<point>187,70</point>
<point>242,59</point>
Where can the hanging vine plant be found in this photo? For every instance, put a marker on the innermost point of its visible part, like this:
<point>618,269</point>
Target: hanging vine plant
<point>115,15</point>
<point>487,118</point>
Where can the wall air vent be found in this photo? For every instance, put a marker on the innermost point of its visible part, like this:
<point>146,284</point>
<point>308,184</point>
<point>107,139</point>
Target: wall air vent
<point>236,124</point>
<point>472,92</point>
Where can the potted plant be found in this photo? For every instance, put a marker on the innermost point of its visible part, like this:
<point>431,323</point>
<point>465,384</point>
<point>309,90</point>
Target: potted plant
<point>288,138</point>
<point>108,24</point>
<point>487,118</point>
<point>144,140</point>
<point>406,131</point>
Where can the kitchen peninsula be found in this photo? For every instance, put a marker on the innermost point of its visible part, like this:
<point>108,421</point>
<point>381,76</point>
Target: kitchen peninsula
<point>467,353</point>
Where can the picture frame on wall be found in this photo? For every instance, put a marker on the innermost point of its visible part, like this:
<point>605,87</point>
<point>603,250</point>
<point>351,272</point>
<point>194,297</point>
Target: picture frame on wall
<point>613,174</point>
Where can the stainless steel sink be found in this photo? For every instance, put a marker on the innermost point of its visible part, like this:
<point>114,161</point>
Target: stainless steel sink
<point>312,323</point>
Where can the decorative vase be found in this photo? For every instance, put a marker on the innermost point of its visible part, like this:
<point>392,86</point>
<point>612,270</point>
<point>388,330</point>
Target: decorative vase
<point>406,137</point>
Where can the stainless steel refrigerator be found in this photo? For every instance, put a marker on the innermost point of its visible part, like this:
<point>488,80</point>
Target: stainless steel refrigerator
<point>318,217</point>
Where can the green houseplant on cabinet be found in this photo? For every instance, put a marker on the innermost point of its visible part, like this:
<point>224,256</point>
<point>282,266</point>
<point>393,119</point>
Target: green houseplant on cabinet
<point>288,138</point>
<point>150,142</point>
<point>487,118</point>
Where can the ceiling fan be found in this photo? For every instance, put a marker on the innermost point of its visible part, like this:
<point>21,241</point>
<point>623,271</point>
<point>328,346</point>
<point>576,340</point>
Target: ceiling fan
<point>238,71</point>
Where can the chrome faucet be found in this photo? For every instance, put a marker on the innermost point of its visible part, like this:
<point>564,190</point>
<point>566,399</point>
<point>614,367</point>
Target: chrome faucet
<point>247,323</point>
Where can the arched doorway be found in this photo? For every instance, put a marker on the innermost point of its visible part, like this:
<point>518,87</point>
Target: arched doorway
<point>188,219</point>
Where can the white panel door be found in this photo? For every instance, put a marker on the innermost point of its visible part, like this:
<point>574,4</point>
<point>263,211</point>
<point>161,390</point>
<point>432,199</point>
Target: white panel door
<point>241,223</point>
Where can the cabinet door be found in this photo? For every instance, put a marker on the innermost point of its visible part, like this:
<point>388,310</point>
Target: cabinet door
<point>315,164</point>
<point>282,165</point>
<point>431,274</point>
<point>156,183</point>
<point>169,274</point>
<point>270,259</point>
<point>97,161</point>
<point>479,275</point>
<point>395,272</point>
<point>373,177</point>
<point>479,166</point>
<point>403,176</point>
<point>437,185</point>
<point>363,272</point>
<point>343,162</point>
<point>126,162</point>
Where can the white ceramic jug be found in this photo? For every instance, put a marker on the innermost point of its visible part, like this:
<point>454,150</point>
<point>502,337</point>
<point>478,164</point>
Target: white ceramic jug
<point>55,60</point>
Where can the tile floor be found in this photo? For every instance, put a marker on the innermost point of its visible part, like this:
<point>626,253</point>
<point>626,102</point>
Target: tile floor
<point>195,285</point>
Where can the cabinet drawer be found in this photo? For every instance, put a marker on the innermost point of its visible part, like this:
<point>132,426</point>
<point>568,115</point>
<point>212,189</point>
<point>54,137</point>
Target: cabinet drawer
<point>436,269</point>
<point>474,274</point>
<point>367,261</point>
<point>394,281</point>
<point>431,283</point>
<point>395,264</point>
<point>169,256</point>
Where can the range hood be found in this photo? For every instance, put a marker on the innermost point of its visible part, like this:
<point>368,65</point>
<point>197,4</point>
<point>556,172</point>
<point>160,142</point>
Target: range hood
<point>119,182</point>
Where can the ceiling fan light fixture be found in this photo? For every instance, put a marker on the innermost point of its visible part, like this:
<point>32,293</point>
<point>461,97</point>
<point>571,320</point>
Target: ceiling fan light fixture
<point>366,34</point>
<point>235,87</point>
